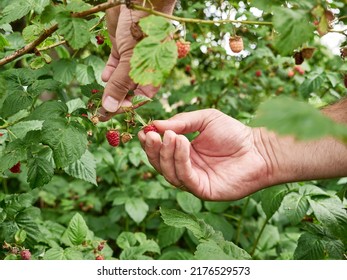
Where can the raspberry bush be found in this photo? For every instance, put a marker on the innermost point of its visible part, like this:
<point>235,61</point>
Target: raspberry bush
<point>66,193</point>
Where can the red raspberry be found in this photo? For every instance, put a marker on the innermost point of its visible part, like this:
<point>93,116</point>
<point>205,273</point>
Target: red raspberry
<point>25,254</point>
<point>291,73</point>
<point>149,128</point>
<point>99,258</point>
<point>113,137</point>
<point>298,68</point>
<point>236,44</point>
<point>15,168</point>
<point>183,48</point>
<point>99,39</point>
<point>94,91</point>
<point>258,73</point>
<point>1,134</point>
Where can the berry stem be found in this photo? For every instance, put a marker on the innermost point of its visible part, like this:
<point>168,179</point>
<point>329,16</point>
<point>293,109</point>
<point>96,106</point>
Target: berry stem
<point>194,20</point>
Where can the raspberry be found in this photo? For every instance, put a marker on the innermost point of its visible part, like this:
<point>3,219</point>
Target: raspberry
<point>15,168</point>
<point>258,73</point>
<point>25,254</point>
<point>99,258</point>
<point>236,44</point>
<point>99,39</point>
<point>183,48</point>
<point>291,73</point>
<point>95,119</point>
<point>94,91</point>
<point>298,69</point>
<point>113,137</point>
<point>149,128</point>
<point>126,137</point>
<point>1,134</point>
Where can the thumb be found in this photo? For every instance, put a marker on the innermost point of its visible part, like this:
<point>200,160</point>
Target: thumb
<point>118,85</point>
<point>184,123</point>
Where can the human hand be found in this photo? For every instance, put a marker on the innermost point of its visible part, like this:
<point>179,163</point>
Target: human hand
<point>222,163</point>
<point>116,71</point>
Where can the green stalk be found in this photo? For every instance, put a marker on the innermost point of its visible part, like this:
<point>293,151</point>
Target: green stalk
<point>259,235</point>
<point>239,224</point>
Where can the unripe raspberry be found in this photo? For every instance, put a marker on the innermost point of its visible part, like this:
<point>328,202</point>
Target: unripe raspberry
<point>126,137</point>
<point>183,48</point>
<point>113,137</point>
<point>236,44</point>
<point>95,119</point>
<point>25,254</point>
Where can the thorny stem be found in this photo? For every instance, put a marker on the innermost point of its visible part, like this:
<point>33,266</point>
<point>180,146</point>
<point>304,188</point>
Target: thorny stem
<point>48,32</point>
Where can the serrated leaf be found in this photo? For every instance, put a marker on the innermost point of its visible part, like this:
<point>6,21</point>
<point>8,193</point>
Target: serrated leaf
<point>271,199</point>
<point>75,104</point>
<point>126,240</point>
<point>16,10</point>
<point>64,70</point>
<point>152,61</point>
<point>22,128</point>
<point>309,248</point>
<point>77,230</point>
<point>84,168</point>
<point>156,27</point>
<point>295,207</point>
<point>14,152</point>
<point>137,209</point>
<point>98,66</point>
<point>15,102</point>
<point>312,83</point>
<point>40,172</point>
<point>294,28</point>
<point>168,235</point>
<point>289,117</point>
<point>37,63</point>
<point>84,74</point>
<point>3,42</point>
<point>75,30</point>
<point>58,253</point>
<point>77,6</point>
<point>189,203</point>
<point>52,109</point>
<point>39,86</point>
<point>32,32</point>
<point>68,140</point>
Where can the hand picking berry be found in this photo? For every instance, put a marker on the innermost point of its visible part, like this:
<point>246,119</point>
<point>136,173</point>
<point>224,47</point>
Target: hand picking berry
<point>113,137</point>
<point>183,48</point>
<point>15,168</point>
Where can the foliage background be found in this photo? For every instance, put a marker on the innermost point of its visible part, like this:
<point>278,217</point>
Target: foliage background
<point>69,199</point>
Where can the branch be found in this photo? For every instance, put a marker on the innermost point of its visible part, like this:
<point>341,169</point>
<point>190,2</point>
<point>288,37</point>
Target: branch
<point>48,32</point>
<point>194,20</point>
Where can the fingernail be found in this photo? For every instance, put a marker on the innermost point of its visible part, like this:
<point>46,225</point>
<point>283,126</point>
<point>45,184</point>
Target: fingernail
<point>110,104</point>
<point>149,142</point>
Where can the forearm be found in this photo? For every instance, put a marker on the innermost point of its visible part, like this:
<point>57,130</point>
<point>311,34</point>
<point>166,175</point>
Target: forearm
<point>290,160</point>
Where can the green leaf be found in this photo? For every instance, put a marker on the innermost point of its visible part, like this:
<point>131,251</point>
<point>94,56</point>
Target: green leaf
<point>84,74</point>
<point>289,117</point>
<point>309,248</point>
<point>40,172</point>
<point>15,102</point>
<point>140,100</point>
<point>312,83</point>
<point>126,240</point>
<point>137,209</point>
<point>32,32</point>
<point>84,168</point>
<point>189,203</point>
<point>52,109</point>
<point>58,253</point>
<point>14,152</point>
<point>168,235</point>
<point>294,29</point>
<point>156,27</point>
<point>75,30</point>
<point>98,66</point>
<point>77,230</point>
<point>20,236</point>
<point>295,207</point>
<point>16,10</point>
<point>68,140</point>
<point>75,104</point>
<point>22,128</point>
<point>271,199</point>
<point>64,70</point>
<point>40,86</point>
<point>216,207</point>
<point>77,6</point>
<point>152,61</point>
